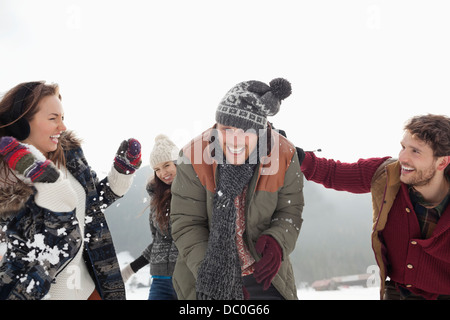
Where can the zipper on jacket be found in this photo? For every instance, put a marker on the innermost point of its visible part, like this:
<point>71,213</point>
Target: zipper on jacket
<point>66,263</point>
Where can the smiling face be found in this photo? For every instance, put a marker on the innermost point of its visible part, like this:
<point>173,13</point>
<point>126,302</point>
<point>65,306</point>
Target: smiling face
<point>236,144</point>
<point>166,171</point>
<point>419,165</point>
<point>47,125</point>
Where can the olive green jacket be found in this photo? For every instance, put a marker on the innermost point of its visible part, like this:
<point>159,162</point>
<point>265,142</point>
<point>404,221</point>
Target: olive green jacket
<point>274,206</point>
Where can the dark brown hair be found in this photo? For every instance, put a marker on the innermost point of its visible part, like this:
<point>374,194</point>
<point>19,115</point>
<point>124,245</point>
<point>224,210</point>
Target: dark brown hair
<point>434,130</point>
<point>160,201</point>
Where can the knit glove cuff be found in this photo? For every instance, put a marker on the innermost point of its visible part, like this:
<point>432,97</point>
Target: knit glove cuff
<point>27,161</point>
<point>119,182</point>
<point>128,156</point>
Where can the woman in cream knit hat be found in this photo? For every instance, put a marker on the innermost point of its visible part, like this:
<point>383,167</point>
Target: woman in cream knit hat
<point>162,252</point>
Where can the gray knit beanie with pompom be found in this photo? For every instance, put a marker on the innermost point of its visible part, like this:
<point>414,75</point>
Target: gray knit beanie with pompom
<point>247,104</point>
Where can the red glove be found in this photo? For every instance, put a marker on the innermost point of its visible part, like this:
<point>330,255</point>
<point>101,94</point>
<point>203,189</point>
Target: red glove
<point>268,266</point>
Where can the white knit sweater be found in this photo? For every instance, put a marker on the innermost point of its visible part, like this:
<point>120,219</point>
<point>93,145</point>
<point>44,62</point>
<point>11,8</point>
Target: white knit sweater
<point>74,281</point>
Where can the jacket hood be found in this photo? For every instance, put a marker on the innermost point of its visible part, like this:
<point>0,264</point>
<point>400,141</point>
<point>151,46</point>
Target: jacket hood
<point>15,193</point>
<point>13,198</point>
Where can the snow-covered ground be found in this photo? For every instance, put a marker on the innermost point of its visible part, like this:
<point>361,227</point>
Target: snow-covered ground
<point>138,285</point>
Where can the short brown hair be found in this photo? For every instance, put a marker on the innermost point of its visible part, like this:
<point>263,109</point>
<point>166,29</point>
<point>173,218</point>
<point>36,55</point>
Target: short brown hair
<point>434,130</point>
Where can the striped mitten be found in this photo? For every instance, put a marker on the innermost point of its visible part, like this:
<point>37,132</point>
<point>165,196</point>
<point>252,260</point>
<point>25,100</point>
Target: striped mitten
<point>128,156</point>
<point>19,158</point>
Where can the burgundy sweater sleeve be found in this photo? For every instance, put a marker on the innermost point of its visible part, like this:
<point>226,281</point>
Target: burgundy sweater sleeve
<point>352,177</point>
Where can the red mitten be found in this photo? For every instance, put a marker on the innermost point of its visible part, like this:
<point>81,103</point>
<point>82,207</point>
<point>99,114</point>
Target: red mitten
<point>268,266</point>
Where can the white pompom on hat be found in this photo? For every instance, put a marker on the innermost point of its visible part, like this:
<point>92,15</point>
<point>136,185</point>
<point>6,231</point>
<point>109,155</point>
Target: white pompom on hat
<point>164,150</point>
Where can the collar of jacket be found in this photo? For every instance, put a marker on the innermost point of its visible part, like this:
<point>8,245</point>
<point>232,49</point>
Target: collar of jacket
<point>201,151</point>
<point>384,191</point>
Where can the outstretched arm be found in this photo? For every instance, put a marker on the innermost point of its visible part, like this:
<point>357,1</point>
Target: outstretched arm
<point>352,177</point>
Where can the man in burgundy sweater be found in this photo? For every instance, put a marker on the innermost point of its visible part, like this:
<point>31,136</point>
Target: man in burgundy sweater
<point>411,211</point>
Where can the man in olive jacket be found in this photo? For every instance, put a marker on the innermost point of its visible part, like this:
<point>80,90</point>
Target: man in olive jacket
<point>237,202</point>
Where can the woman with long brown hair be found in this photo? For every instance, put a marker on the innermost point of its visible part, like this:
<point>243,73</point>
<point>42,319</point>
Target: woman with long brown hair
<point>51,203</point>
<point>162,252</point>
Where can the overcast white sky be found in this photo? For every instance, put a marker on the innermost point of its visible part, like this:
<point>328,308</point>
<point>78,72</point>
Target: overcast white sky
<point>359,68</point>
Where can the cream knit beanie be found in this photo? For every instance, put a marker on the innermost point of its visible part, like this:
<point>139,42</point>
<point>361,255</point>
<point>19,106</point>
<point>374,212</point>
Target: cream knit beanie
<point>163,150</point>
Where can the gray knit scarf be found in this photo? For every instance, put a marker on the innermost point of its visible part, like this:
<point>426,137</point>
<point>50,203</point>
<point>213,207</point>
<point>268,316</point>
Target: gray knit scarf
<point>219,276</point>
